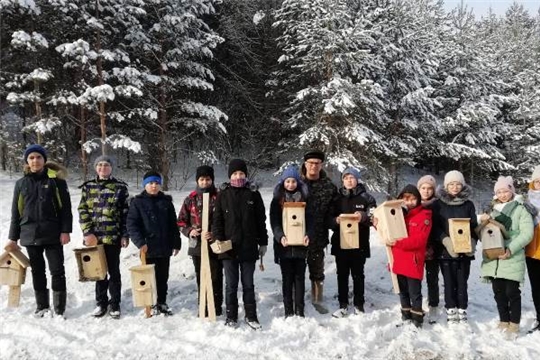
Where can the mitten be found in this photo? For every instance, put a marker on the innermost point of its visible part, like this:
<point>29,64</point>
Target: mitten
<point>447,242</point>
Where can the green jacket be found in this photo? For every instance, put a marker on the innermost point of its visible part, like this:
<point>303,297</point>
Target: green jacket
<point>519,224</point>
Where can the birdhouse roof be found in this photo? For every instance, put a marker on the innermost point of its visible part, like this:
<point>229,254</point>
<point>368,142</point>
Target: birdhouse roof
<point>18,256</point>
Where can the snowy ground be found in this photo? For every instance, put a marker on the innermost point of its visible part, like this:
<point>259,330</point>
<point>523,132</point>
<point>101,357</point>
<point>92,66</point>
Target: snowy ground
<point>373,335</point>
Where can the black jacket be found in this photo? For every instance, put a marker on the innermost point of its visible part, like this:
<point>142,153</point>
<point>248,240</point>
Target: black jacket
<point>151,221</point>
<point>240,216</point>
<point>349,202</point>
<point>41,207</point>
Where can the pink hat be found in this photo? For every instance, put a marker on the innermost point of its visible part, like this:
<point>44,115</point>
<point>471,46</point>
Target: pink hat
<point>504,182</point>
<point>427,179</point>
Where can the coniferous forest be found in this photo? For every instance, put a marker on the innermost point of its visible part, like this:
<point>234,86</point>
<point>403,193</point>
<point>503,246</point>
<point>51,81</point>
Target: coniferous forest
<point>376,84</point>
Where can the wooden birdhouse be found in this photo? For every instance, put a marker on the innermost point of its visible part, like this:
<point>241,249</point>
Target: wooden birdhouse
<point>13,264</point>
<point>460,234</point>
<point>143,285</point>
<point>220,247</point>
<point>294,222</point>
<point>349,237</point>
<point>492,236</point>
<point>390,220</point>
<point>91,262</point>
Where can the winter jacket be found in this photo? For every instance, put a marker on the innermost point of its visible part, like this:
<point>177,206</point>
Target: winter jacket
<point>239,216</point>
<point>449,207</point>
<point>151,221</point>
<point>409,253</point>
<point>103,210</point>
<point>430,248</point>
<point>533,249</point>
<point>190,217</point>
<point>349,202</point>
<point>41,207</point>
<point>321,194</point>
<point>519,225</point>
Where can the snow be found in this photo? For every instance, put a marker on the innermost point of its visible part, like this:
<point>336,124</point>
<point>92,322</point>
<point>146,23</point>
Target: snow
<point>373,335</point>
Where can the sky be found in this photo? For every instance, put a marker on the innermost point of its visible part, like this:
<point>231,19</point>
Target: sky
<point>480,7</point>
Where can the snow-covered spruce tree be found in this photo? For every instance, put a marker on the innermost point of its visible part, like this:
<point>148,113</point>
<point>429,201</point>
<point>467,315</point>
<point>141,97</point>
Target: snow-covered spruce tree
<point>474,98</point>
<point>172,45</point>
<point>331,105</point>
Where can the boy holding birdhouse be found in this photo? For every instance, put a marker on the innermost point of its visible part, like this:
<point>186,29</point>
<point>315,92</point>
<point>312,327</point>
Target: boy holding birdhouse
<point>290,253</point>
<point>350,214</point>
<point>508,270</point>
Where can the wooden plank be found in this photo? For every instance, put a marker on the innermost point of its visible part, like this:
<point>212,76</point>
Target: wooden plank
<point>393,276</point>
<point>206,290</point>
<point>14,296</point>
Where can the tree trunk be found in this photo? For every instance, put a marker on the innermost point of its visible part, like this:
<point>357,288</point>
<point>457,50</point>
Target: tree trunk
<point>99,70</point>
<point>37,105</point>
<point>84,156</point>
<point>163,153</point>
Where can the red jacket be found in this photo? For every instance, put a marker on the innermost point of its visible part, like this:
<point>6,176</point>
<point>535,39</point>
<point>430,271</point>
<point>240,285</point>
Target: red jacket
<point>410,253</point>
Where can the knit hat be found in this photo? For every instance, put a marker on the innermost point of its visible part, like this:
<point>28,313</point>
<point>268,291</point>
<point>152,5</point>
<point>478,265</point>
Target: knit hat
<point>536,174</point>
<point>204,170</point>
<point>452,176</point>
<point>103,158</point>
<point>314,154</point>
<point>411,189</point>
<point>352,171</point>
<point>151,176</point>
<point>427,179</point>
<point>35,148</point>
<point>290,172</point>
<point>504,182</point>
<point>237,165</point>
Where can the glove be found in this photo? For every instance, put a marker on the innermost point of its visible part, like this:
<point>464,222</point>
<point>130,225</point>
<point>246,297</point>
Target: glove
<point>262,250</point>
<point>447,242</point>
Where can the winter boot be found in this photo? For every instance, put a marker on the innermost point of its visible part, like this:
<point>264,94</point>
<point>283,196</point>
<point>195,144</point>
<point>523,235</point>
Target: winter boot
<point>503,325</point>
<point>433,314</point>
<point>512,328</point>
<point>536,327</point>
<point>462,316</point>
<point>114,312</point>
<point>289,310</point>
<point>452,316</point>
<point>406,315</point>
<point>59,302</point>
<point>358,309</point>
<point>251,316</point>
<point>42,302</point>
<point>99,311</point>
<point>299,311</point>
<point>341,312</point>
<point>417,318</point>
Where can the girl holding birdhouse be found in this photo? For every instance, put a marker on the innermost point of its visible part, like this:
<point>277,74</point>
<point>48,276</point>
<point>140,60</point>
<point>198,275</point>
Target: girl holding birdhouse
<point>532,251</point>
<point>352,199</point>
<point>508,270</point>
<point>290,255</point>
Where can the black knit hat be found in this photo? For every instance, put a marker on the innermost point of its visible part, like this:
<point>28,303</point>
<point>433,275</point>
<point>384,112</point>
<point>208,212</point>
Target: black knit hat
<point>237,165</point>
<point>314,154</point>
<point>204,170</point>
<point>411,189</point>
<point>35,148</point>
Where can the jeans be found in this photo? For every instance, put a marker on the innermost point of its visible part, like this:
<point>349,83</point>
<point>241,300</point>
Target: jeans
<point>455,275</point>
<point>112,282</point>
<point>55,258</point>
<point>161,267</point>
<point>236,271</point>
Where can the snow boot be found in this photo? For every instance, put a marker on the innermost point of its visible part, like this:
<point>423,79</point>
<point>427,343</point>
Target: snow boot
<point>462,316</point>
<point>59,302</point>
<point>417,318</point>
<point>42,303</point>
<point>99,311</point>
<point>433,314</point>
<point>452,316</point>
<point>115,311</point>
<point>251,316</point>
<point>536,327</point>
<point>341,312</point>
<point>406,315</point>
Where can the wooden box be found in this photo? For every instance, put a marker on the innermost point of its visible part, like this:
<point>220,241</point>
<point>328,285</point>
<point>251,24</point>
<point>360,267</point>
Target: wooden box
<point>391,223</point>
<point>492,237</point>
<point>349,232</point>
<point>143,285</point>
<point>294,222</point>
<point>91,262</point>
<point>460,234</point>
<point>13,266</point>
<point>220,247</point>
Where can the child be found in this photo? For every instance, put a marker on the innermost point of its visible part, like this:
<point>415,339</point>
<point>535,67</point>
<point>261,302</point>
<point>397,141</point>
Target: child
<point>240,216</point>
<point>190,223</point>
<point>41,218</point>
<point>426,186</point>
<point>454,202</point>
<point>508,271</point>
<point>102,215</point>
<point>352,198</point>
<point>532,251</point>
<point>151,224</point>
<point>409,254</point>
<point>292,259</point>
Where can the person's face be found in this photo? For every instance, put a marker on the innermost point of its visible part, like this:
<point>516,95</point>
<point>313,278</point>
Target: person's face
<point>237,175</point>
<point>454,188</point>
<point>290,184</point>
<point>410,201</point>
<point>426,191</point>
<point>103,169</point>
<point>152,187</point>
<point>36,162</point>
<point>504,195</point>
<point>349,182</point>
<point>536,184</point>
<point>313,168</point>
<point>204,182</point>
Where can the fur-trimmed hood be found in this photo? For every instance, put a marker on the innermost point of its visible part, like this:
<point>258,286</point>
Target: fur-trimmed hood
<point>54,170</point>
<point>464,195</point>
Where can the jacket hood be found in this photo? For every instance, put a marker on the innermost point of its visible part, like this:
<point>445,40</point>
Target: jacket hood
<point>54,170</point>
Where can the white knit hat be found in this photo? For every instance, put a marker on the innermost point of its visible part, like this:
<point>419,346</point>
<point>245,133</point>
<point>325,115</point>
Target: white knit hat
<point>452,176</point>
<point>427,179</point>
<point>536,174</point>
<point>504,182</point>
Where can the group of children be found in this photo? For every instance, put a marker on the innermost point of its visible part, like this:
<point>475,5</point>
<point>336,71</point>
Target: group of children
<point>41,219</point>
